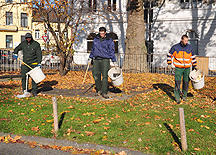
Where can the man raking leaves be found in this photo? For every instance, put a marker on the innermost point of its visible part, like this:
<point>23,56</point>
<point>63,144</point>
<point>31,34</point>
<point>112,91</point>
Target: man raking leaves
<point>183,57</point>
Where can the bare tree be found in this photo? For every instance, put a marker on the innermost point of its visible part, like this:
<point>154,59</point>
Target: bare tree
<point>67,14</point>
<point>60,16</point>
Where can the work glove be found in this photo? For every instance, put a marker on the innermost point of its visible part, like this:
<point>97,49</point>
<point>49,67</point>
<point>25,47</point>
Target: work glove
<point>89,60</point>
<point>15,56</point>
<point>169,67</point>
<point>39,65</point>
<point>115,64</point>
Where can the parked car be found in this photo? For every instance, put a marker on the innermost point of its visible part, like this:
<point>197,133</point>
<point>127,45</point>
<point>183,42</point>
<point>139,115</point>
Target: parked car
<point>51,58</point>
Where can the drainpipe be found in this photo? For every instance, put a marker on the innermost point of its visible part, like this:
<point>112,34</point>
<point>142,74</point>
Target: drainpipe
<point>149,22</point>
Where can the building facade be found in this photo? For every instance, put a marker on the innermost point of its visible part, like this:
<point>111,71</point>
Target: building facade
<point>15,22</point>
<point>172,19</point>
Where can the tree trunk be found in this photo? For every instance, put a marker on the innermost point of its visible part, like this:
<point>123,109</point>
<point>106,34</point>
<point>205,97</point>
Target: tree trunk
<point>135,54</point>
<point>63,59</point>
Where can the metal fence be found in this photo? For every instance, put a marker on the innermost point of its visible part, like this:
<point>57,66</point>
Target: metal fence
<point>131,63</point>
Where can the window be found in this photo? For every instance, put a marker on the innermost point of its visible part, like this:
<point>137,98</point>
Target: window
<point>115,39</point>
<point>90,40</point>
<point>57,34</point>
<point>8,1</point>
<point>37,34</point>
<point>92,5</point>
<point>9,41</point>
<point>24,20</point>
<point>22,38</point>
<point>193,40</point>
<point>186,4</point>
<point>9,18</point>
<point>111,5</point>
<point>65,35</point>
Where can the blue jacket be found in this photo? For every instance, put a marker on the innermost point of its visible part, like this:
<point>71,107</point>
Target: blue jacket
<point>104,49</point>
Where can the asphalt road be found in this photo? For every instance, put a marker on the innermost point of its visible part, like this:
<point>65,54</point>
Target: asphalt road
<point>24,149</point>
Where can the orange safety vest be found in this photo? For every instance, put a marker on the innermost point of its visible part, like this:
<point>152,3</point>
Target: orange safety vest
<point>183,57</point>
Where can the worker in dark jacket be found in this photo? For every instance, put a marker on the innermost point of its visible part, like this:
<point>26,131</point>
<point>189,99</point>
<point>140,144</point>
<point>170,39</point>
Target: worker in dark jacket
<point>102,51</point>
<point>32,56</point>
<point>183,57</point>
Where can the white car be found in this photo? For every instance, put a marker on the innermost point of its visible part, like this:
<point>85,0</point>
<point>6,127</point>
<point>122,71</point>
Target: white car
<point>51,58</point>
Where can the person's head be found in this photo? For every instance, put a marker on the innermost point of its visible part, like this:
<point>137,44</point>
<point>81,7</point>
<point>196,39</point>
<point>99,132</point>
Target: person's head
<point>184,39</point>
<point>28,37</point>
<point>102,32</point>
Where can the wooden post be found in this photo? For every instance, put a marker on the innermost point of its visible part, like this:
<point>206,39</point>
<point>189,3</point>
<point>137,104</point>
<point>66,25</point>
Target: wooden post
<point>55,114</point>
<point>183,130</point>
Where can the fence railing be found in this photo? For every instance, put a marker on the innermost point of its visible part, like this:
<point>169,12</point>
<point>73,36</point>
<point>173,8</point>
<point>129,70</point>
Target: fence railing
<point>131,63</point>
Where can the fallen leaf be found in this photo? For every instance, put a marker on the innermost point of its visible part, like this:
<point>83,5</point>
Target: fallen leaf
<point>122,153</point>
<point>89,133</point>
<point>32,143</point>
<point>71,107</point>
<point>200,121</point>
<point>97,120</point>
<point>35,129</point>
<point>50,120</point>
<point>197,149</point>
<point>106,128</point>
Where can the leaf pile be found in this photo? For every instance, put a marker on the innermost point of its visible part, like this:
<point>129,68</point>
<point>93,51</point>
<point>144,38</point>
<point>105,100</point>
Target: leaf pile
<point>132,81</point>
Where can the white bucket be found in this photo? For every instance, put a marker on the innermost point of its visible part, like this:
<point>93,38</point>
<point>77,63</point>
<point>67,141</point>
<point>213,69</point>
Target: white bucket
<point>115,75</point>
<point>36,74</point>
<point>197,78</point>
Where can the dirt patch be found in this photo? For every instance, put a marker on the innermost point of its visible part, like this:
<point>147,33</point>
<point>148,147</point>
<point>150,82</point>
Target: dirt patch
<point>89,92</point>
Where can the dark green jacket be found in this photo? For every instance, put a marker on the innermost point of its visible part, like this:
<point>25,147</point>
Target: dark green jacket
<point>31,52</point>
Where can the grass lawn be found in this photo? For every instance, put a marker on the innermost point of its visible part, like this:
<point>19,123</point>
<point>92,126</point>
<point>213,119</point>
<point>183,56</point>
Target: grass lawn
<point>148,122</point>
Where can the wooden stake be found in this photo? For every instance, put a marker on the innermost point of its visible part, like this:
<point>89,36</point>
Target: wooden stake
<point>55,114</point>
<point>183,130</point>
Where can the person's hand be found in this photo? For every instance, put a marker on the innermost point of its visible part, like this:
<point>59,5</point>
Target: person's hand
<point>89,60</point>
<point>15,56</point>
<point>195,67</point>
<point>39,65</point>
<point>115,64</point>
<point>169,67</point>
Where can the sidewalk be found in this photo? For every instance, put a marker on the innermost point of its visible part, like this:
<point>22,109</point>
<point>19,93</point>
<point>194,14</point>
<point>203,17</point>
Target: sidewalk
<point>25,149</point>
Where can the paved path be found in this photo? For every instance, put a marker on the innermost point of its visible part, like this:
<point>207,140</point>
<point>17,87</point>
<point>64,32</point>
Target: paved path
<point>24,149</point>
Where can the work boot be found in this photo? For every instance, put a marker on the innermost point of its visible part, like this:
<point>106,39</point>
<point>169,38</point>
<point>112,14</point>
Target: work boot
<point>98,93</point>
<point>105,96</point>
<point>35,94</point>
<point>184,99</point>
<point>178,102</point>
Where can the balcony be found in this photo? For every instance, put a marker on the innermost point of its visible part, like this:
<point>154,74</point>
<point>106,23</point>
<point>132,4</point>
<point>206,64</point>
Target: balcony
<point>8,28</point>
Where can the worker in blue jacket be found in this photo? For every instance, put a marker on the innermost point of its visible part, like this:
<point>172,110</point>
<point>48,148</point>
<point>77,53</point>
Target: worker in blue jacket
<point>102,51</point>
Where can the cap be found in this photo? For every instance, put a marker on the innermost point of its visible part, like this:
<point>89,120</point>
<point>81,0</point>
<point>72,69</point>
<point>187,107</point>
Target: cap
<point>28,35</point>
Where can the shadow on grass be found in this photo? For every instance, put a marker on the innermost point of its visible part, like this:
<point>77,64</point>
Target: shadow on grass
<point>61,120</point>
<point>11,86</point>
<point>175,137</point>
<point>113,89</point>
<point>47,85</point>
<point>166,88</point>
